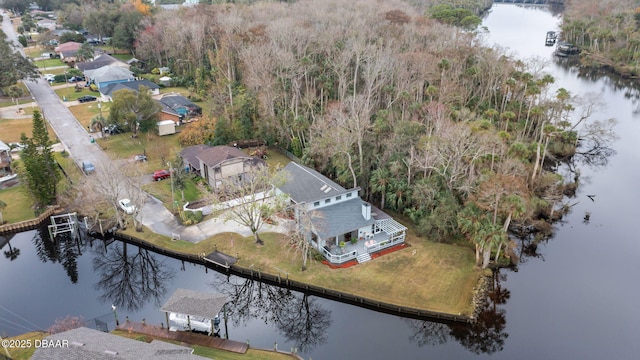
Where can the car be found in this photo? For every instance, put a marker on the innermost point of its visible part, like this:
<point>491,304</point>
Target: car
<point>86,98</point>
<point>46,55</point>
<point>88,167</point>
<point>127,206</point>
<point>113,129</point>
<point>49,77</point>
<point>161,175</point>
<point>15,147</point>
<point>76,79</point>
<point>140,157</point>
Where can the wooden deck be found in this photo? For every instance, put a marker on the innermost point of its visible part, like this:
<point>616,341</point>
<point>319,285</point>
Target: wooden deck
<point>185,337</point>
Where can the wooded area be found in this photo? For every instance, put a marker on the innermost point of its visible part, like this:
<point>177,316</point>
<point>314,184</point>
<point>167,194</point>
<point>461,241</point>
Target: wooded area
<point>607,31</point>
<point>417,113</point>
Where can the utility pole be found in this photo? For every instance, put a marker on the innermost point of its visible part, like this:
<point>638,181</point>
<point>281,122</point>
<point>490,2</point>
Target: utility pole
<point>173,196</point>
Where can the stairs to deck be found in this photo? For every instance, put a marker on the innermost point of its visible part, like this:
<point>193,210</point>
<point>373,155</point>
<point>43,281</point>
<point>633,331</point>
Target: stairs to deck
<point>363,258</point>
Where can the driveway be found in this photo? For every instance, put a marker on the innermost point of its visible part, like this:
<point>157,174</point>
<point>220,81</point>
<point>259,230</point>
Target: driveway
<point>77,141</point>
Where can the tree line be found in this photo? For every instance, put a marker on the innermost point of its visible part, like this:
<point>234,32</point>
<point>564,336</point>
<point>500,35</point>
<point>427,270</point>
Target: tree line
<point>427,121</point>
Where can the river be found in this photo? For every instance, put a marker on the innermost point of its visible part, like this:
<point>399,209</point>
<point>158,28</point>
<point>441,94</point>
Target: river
<point>574,297</point>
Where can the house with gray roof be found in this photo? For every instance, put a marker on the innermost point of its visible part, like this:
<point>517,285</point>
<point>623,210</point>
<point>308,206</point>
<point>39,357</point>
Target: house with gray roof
<point>181,105</point>
<point>108,90</point>
<point>100,61</point>
<point>219,164</point>
<point>109,75</point>
<point>343,226</point>
<point>84,343</point>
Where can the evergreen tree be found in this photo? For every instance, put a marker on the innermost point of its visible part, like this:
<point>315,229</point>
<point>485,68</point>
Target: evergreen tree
<point>40,172</point>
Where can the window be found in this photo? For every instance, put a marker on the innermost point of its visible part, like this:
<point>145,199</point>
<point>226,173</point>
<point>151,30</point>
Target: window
<point>349,195</point>
<point>338,198</point>
<point>316,204</point>
<point>327,201</point>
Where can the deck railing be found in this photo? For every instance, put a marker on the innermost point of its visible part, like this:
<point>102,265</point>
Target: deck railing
<point>339,258</point>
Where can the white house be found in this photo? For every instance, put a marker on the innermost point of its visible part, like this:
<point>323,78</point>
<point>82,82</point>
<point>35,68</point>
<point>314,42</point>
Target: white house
<point>339,216</point>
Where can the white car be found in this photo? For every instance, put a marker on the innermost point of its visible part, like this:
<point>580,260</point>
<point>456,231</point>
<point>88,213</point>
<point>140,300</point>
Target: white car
<point>49,77</point>
<point>127,206</point>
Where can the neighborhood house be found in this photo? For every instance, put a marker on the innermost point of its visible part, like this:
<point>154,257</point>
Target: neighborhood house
<point>218,164</point>
<point>344,227</point>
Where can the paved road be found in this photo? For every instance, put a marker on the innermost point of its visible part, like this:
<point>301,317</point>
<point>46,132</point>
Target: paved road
<point>77,142</point>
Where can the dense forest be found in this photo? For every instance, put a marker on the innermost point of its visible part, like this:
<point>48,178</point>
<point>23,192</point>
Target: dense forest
<point>608,32</point>
<point>398,98</point>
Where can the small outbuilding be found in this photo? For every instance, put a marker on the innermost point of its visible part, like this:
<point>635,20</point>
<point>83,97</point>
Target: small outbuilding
<point>166,127</point>
<point>165,81</point>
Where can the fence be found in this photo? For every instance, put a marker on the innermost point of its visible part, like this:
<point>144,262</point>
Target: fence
<point>285,282</point>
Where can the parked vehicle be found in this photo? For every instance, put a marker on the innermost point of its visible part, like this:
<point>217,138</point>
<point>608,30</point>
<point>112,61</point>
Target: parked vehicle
<point>86,98</point>
<point>49,77</point>
<point>15,147</point>
<point>161,175</point>
<point>127,206</point>
<point>88,167</point>
<point>76,79</point>
<point>46,55</point>
<point>113,129</point>
<point>140,157</point>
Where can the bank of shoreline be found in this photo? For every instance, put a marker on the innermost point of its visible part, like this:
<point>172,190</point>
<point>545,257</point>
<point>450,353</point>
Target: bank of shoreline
<point>284,281</point>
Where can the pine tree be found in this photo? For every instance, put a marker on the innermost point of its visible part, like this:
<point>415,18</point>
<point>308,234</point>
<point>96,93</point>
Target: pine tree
<point>40,172</point>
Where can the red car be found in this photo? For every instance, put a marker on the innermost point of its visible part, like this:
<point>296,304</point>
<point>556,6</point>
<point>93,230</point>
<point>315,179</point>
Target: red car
<point>161,175</point>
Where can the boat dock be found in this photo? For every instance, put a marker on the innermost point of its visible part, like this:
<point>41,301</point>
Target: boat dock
<point>186,337</point>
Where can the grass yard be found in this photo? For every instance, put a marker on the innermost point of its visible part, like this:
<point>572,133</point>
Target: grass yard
<point>69,92</point>
<point>11,129</point>
<point>162,191</point>
<point>426,275</point>
<point>86,111</point>
<point>45,65</point>
<point>18,204</point>
<point>123,146</point>
<point>24,353</point>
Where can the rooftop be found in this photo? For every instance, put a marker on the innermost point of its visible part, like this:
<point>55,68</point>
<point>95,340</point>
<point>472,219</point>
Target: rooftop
<point>195,303</point>
<point>304,184</point>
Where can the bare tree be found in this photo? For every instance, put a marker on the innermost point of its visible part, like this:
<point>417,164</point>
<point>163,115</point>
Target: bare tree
<point>254,198</point>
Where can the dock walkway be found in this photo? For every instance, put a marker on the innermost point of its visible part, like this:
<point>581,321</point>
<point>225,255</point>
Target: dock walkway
<point>188,338</point>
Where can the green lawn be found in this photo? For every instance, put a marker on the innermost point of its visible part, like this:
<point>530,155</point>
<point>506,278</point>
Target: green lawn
<point>69,92</point>
<point>45,65</point>
<point>86,111</point>
<point>12,129</point>
<point>162,191</point>
<point>18,204</point>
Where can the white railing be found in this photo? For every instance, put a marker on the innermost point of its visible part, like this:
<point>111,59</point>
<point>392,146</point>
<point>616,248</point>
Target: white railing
<point>339,258</point>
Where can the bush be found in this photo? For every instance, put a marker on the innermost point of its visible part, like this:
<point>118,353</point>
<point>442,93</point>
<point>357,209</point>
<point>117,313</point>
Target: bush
<point>22,40</point>
<point>191,217</point>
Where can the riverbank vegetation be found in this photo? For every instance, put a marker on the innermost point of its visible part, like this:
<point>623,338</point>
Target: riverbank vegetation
<point>608,32</point>
<point>457,137</point>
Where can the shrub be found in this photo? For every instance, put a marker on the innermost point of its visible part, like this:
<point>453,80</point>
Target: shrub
<point>191,217</point>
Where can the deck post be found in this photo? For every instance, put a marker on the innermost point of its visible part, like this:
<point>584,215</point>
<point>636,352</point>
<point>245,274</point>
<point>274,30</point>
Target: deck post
<point>166,315</point>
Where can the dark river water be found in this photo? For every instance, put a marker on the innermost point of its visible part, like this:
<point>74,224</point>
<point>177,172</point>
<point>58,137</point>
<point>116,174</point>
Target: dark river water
<point>575,296</point>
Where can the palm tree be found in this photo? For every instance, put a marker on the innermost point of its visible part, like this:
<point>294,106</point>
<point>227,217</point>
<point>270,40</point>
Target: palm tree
<point>98,122</point>
<point>3,205</point>
<point>379,183</point>
<point>398,193</point>
<point>85,52</point>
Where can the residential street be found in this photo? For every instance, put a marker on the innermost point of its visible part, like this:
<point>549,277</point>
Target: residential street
<point>76,140</point>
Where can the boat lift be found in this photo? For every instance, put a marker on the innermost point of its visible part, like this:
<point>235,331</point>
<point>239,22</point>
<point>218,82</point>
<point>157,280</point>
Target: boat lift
<point>63,223</point>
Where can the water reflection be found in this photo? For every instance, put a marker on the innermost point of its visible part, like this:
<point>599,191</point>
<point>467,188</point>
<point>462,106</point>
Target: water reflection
<point>297,316</point>
<point>486,336</point>
<point>13,252</point>
<point>129,279</point>
<point>64,248</point>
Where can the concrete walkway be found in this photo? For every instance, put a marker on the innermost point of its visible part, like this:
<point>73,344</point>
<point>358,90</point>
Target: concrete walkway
<point>76,140</point>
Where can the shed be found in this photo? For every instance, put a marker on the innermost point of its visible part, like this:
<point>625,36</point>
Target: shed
<point>165,81</point>
<point>166,127</point>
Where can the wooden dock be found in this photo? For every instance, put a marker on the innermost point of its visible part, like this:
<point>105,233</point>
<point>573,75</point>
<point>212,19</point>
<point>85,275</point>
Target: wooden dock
<point>185,337</point>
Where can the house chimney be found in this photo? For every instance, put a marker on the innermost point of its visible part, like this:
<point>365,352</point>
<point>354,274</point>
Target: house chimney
<point>366,211</point>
